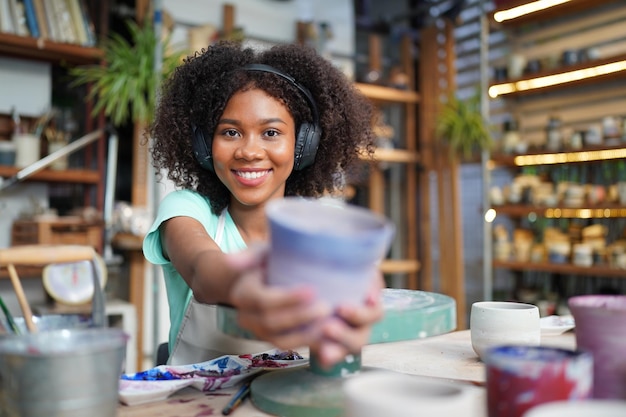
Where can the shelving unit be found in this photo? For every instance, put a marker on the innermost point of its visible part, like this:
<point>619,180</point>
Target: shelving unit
<point>396,198</point>
<point>580,94</point>
<point>56,53</point>
<point>416,158</point>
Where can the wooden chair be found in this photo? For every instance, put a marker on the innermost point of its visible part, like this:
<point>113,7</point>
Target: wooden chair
<point>42,255</point>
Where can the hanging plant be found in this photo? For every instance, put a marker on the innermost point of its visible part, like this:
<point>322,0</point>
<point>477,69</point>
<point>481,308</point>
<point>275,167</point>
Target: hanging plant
<point>125,87</point>
<point>461,126</point>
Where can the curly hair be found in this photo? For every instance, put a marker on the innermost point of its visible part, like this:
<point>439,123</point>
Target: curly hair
<point>199,89</point>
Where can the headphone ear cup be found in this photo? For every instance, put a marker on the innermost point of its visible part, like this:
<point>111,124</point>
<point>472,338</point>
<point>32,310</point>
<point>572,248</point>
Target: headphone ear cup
<point>306,145</point>
<point>202,148</point>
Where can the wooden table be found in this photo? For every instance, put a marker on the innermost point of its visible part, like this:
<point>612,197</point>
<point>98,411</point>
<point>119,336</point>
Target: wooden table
<point>449,356</point>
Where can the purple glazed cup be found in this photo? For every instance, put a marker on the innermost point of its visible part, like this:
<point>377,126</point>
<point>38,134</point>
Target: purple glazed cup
<point>332,247</point>
<point>601,329</point>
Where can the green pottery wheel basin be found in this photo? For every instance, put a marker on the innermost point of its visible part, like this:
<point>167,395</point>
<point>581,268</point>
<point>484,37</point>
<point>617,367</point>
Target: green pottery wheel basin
<point>409,315</point>
<point>314,392</point>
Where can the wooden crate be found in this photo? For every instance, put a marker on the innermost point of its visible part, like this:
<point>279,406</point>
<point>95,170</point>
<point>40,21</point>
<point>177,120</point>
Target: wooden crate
<point>58,231</point>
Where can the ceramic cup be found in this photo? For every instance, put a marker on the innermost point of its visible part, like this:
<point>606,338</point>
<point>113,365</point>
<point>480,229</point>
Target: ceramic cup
<point>601,329</point>
<point>333,247</point>
<point>379,393</point>
<point>588,408</point>
<point>494,323</point>
<point>26,149</point>
<point>521,377</point>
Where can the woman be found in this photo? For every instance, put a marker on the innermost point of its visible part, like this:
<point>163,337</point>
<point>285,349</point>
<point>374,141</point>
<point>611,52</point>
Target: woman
<point>234,129</point>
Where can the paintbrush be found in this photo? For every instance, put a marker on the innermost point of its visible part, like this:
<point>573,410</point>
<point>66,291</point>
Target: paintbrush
<point>237,399</point>
<point>9,317</point>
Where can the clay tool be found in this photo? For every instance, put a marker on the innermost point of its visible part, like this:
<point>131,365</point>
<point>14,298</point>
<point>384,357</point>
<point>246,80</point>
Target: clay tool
<point>21,298</point>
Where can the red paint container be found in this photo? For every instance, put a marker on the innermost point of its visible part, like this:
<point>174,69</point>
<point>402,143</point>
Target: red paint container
<point>521,377</point>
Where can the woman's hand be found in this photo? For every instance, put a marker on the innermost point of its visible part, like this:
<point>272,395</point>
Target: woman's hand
<point>282,317</point>
<point>292,318</point>
<point>349,330</point>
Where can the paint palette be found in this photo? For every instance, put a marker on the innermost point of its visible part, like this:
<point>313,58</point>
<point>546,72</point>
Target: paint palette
<point>158,383</point>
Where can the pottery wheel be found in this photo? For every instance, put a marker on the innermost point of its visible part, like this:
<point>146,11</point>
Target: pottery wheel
<point>312,392</point>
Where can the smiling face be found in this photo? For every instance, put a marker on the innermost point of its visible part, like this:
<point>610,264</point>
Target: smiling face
<point>253,147</point>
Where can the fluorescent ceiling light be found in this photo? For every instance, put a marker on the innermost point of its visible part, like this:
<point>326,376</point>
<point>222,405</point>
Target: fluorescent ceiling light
<point>569,157</point>
<point>554,79</point>
<point>524,9</point>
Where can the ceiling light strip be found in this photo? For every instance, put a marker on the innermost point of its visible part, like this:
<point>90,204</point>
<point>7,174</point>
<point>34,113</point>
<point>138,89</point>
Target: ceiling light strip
<point>524,9</point>
<point>569,157</point>
<point>574,213</point>
<point>555,79</point>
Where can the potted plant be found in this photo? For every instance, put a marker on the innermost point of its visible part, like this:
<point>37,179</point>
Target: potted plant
<point>125,87</point>
<point>461,126</point>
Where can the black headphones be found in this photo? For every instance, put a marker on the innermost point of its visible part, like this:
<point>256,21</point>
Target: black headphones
<point>307,138</point>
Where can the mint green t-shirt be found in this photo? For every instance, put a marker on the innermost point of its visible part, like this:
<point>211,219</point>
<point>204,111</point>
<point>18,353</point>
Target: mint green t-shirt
<point>189,204</point>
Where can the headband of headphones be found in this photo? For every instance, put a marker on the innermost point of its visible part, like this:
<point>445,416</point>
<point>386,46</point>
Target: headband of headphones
<point>305,92</point>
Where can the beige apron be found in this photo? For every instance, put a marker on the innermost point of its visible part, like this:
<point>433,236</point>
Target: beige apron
<point>199,338</point>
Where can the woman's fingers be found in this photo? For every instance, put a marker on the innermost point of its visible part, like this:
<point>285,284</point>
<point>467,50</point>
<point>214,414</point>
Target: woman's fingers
<point>350,337</point>
<point>330,353</point>
<point>349,330</point>
<point>278,320</point>
<point>287,334</point>
<point>278,315</point>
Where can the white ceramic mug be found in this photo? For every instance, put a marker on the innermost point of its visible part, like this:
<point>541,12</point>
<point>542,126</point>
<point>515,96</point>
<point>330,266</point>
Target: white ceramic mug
<point>496,323</point>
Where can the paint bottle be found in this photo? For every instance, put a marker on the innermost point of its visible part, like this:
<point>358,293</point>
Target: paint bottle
<point>554,137</point>
<point>511,138</point>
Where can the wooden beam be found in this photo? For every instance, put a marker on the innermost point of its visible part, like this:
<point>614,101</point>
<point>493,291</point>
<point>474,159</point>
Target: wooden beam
<point>428,109</point>
<point>436,158</point>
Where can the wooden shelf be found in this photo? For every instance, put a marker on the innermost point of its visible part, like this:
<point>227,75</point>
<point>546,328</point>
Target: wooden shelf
<point>587,212</point>
<point>47,50</point>
<point>127,241</point>
<point>77,176</point>
<point>399,266</point>
<point>388,94</point>
<point>603,271</point>
<point>557,11</point>
<point>395,155</point>
<point>518,84</point>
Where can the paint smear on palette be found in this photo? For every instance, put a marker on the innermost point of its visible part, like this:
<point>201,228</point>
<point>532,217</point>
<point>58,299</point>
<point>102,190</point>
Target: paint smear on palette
<point>274,359</point>
<point>170,375</point>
